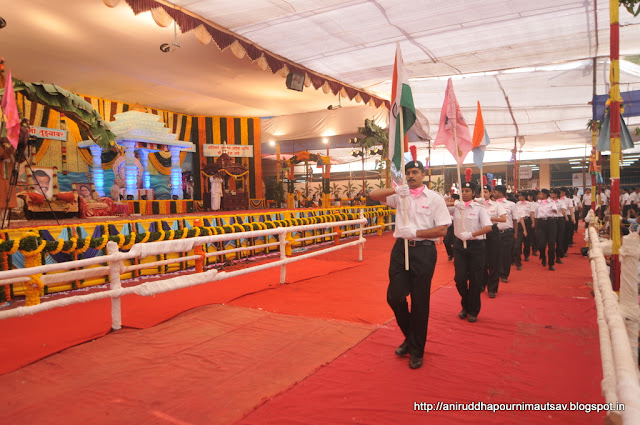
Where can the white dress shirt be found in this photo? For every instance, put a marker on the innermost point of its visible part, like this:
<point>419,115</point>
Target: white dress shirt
<point>512,213</point>
<point>561,208</point>
<point>494,209</point>
<point>545,208</point>
<point>424,211</point>
<point>524,208</point>
<point>475,218</point>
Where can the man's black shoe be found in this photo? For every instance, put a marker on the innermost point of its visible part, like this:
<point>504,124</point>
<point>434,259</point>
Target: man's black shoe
<point>403,349</point>
<point>450,258</point>
<point>504,280</point>
<point>526,258</point>
<point>463,314</point>
<point>552,268</point>
<point>415,362</point>
<point>544,262</point>
<point>472,319</point>
<point>492,294</point>
<point>559,261</point>
<point>519,267</point>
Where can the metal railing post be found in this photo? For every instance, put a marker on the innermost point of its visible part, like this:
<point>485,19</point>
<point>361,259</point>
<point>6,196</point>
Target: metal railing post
<point>114,283</point>
<point>282,238</point>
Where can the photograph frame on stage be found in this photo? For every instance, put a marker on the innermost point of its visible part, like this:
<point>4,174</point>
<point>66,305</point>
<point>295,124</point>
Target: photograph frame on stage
<point>85,190</point>
<point>38,179</point>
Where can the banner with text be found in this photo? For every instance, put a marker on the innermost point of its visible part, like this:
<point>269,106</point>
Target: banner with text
<point>48,133</point>
<point>243,151</point>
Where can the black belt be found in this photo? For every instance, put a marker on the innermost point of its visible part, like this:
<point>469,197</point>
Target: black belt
<point>505,230</point>
<point>425,242</point>
<point>546,218</point>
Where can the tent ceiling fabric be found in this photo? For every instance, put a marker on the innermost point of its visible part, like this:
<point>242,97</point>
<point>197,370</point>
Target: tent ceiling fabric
<point>540,53</point>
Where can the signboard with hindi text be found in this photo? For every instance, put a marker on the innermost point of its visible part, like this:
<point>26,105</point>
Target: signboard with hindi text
<point>525,172</point>
<point>242,151</point>
<point>48,133</point>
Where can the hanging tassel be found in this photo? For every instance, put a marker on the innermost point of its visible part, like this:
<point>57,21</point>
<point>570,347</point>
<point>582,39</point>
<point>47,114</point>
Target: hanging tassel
<point>494,182</point>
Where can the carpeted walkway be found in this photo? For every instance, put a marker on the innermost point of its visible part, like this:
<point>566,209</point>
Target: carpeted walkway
<point>320,351</point>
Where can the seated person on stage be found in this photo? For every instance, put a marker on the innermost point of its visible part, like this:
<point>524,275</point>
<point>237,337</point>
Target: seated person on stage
<point>91,205</point>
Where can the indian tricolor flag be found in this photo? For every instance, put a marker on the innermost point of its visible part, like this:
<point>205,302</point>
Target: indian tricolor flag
<point>480,139</point>
<point>401,102</point>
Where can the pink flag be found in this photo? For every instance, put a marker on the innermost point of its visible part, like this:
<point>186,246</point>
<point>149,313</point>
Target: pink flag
<point>450,118</point>
<point>10,111</point>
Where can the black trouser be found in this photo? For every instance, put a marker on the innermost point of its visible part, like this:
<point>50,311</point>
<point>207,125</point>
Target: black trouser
<point>506,252</point>
<point>491,274</point>
<point>561,248</point>
<point>521,241</point>
<point>448,240</point>
<point>469,264</point>
<point>546,237</point>
<point>568,232</point>
<point>575,224</point>
<point>415,282</point>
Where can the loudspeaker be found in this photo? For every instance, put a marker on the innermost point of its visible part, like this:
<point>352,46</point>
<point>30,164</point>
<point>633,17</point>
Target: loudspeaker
<point>295,81</point>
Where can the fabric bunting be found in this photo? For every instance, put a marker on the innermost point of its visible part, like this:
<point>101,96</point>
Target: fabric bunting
<point>401,97</point>
<point>10,111</point>
<point>480,139</point>
<point>604,140</point>
<point>451,118</point>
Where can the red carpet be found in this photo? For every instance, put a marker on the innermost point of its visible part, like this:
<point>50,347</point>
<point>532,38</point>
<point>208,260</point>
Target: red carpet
<point>535,343</point>
<point>524,348</point>
<point>211,365</point>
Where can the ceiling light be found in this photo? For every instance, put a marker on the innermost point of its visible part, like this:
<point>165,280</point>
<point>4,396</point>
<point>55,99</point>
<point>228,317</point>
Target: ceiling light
<point>171,47</point>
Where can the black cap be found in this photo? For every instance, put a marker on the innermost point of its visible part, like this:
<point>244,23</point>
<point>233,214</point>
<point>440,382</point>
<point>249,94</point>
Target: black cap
<point>413,164</point>
<point>556,191</point>
<point>501,188</point>
<point>545,191</point>
<point>471,185</point>
<point>487,187</point>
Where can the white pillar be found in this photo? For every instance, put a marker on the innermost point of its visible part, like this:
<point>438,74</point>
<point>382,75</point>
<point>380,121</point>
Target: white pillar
<point>130,169</point>
<point>144,160</point>
<point>176,172</point>
<point>96,169</point>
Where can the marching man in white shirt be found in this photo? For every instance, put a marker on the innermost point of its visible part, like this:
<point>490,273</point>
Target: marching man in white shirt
<point>470,224</point>
<point>508,231</point>
<point>491,270</point>
<point>545,225</point>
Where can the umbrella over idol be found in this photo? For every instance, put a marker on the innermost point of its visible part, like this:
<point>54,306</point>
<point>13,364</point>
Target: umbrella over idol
<point>480,140</point>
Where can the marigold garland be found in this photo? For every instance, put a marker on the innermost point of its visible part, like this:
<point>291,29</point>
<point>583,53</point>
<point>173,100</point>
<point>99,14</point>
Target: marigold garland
<point>58,248</point>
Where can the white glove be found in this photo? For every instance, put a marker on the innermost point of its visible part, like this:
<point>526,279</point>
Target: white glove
<point>403,190</point>
<point>405,233</point>
<point>465,236</point>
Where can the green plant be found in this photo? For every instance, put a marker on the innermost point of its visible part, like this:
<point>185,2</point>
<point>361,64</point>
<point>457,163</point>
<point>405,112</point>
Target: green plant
<point>349,189</point>
<point>438,185</point>
<point>632,6</point>
<point>335,190</point>
<point>278,193</point>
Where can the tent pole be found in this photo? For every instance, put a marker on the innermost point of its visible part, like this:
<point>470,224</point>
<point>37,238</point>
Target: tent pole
<point>614,163</point>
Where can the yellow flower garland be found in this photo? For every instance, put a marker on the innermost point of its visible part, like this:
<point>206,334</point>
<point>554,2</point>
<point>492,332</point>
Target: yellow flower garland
<point>74,244</point>
<point>58,248</point>
<point>14,248</point>
<point>132,241</point>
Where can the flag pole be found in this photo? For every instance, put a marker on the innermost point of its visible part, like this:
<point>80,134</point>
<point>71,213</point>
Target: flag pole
<point>404,181</point>
<point>455,140</point>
